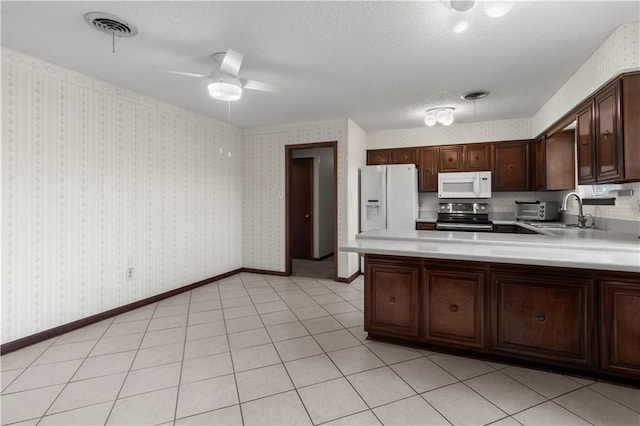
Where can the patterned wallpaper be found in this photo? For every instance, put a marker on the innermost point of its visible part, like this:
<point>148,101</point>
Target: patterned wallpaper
<point>97,179</point>
<point>621,51</point>
<point>264,185</point>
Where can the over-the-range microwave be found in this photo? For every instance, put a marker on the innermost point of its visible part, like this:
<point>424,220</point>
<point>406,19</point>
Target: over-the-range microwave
<point>464,185</point>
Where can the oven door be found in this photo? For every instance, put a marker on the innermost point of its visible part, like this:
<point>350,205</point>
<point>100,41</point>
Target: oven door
<point>471,227</point>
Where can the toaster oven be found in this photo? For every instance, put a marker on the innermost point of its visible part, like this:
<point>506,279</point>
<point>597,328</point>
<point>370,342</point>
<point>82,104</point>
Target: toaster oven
<point>536,210</point>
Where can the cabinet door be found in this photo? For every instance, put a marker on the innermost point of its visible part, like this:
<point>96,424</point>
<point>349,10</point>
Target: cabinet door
<point>377,156</point>
<point>428,169</point>
<point>619,328</point>
<point>543,317</point>
<point>631,126</point>
<point>586,146</point>
<point>560,154</point>
<point>539,165</point>
<point>403,156</point>
<point>511,166</point>
<point>453,306</point>
<point>451,158</point>
<point>608,140</point>
<point>391,297</point>
<point>425,226</point>
<point>478,157</point>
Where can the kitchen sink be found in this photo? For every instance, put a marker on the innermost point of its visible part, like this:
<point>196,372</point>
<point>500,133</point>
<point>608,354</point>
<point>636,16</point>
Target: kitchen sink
<point>556,225</point>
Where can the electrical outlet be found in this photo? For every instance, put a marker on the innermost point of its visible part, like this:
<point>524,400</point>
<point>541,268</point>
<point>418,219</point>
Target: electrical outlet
<point>129,274</point>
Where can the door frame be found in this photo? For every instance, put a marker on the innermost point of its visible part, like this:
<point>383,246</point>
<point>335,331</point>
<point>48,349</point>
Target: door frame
<point>288,159</point>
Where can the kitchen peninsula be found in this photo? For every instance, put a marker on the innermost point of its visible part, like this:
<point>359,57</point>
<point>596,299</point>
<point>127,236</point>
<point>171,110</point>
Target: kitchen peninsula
<point>564,298</point>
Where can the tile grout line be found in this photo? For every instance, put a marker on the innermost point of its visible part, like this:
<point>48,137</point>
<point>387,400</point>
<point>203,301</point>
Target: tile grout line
<point>184,349</point>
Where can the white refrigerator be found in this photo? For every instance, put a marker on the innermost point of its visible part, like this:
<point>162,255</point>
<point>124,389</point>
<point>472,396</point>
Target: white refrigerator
<point>389,197</point>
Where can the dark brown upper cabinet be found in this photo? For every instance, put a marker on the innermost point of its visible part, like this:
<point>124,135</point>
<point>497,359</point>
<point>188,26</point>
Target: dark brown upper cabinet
<point>428,169</point>
<point>478,157</point>
<point>511,170</point>
<point>586,145</point>
<point>608,132</point>
<point>451,158</point>
<point>377,157</point>
<point>403,156</point>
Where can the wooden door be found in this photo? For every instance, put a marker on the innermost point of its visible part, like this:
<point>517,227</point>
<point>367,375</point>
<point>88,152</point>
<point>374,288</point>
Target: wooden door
<point>391,297</point>
<point>619,328</point>
<point>478,157</point>
<point>586,146</point>
<point>301,208</point>
<point>451,158</point>
<point>453,306</point>
<point>608,141</point>
<point>428,169</point>
<point>543,317</point>
<point>511,166</point>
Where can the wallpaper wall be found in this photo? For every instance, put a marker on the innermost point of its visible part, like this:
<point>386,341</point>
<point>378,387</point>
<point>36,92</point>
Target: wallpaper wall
<point>263,189</point>
<point>357,158</point>
<point>97,179</point>
<point>621,51</point>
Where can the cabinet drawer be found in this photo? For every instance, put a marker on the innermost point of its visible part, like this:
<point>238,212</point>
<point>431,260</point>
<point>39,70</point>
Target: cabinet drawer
<point>425,226</point>
<point>453,306</point>
<point>391,298</point>
<point>543,317</point>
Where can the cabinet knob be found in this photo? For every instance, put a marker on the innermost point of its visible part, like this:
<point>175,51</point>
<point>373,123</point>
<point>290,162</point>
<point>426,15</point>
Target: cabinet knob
<point>453,307</point>
<point>511,167</point>
<point>391,298</point>
<point>540,317</point>
<point>450,160</point>
<point>606,134</point>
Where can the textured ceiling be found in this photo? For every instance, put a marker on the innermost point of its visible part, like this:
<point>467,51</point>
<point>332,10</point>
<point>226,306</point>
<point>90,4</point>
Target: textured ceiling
<point>380,63</point>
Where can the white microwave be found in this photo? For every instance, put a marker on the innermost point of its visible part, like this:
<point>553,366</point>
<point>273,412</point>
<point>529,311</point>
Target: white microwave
<point>464,185</point>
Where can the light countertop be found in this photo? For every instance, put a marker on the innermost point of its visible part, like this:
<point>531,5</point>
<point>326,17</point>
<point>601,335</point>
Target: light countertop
<point>573,248</point>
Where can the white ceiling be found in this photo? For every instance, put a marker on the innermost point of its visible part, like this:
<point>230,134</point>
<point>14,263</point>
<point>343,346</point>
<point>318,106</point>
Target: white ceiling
<point>380,63</point>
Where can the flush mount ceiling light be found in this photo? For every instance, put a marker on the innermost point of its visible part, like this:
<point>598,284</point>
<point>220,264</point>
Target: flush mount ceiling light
<point>226,89</point>
<point>442,115</point>
<point>461,10</point>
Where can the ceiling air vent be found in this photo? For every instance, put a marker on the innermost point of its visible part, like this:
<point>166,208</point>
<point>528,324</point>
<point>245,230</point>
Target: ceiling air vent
<point>475,95</point>
<point>111,24</point>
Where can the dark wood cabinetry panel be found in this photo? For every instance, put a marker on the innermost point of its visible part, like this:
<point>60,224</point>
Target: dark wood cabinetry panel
<point>391,297</point>
<point>511,166</point>
<point>631,126</point>
<point>428,169</point>
<point>478,157</point>
<point>585,145</point>
<point>453,306</point>
<point>609,167</point>
<point>377,157</point>
<point>540,164</point>
<point>403,156</point>
<point>560,160</point>
<point>543,317</point>
<point>425,226</point>
<point>451,158</point>
<point>620,327</point>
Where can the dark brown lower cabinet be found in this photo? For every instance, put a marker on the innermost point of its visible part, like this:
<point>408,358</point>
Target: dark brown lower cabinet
<point>620,327</point>
<point>540,316</point>
<point>453,306</point>
<point>391,297</point>
<point>579,319</point>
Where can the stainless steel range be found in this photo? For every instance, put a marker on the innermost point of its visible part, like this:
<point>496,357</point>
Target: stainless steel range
<point>464,217</point>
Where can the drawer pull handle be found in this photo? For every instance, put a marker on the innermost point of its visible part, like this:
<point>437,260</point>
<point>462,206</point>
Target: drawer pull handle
<point>540,317</point>
<point>453,307</point>
<point>391,299</point>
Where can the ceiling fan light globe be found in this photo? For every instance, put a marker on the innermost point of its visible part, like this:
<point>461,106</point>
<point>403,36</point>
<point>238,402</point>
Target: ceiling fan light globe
<point>460,26</point>
<point>225,91</point>
<point>430,120</point>
<point>497,9</point>
<point>447,119</point>
<point>442,116</point>
<point>461,5</point>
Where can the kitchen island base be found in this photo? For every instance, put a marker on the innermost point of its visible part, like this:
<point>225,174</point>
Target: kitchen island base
<point>577,321</point>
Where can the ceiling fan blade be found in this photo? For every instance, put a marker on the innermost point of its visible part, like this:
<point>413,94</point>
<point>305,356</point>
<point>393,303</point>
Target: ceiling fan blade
<point>231,62</point>
<point>188,74</point>
<point>259,85</point>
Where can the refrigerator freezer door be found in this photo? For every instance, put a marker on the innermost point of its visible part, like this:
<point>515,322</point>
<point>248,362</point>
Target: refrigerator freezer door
<point>402,197</point>
<point>373,198</point>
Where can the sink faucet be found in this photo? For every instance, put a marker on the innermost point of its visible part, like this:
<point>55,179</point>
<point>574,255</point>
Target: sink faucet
<point>582,220</point>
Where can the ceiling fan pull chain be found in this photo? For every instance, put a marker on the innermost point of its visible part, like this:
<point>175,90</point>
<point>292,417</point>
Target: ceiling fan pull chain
<point>113,41</point>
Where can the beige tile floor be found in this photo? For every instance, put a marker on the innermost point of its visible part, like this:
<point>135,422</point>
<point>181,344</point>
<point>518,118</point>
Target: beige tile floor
<point>253,349</point>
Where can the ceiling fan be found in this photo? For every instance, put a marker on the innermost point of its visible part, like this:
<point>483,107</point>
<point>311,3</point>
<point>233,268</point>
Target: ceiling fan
<point>225,84</point>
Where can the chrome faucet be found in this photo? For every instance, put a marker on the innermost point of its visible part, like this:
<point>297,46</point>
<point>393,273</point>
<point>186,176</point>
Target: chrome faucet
<point>582,220</point>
